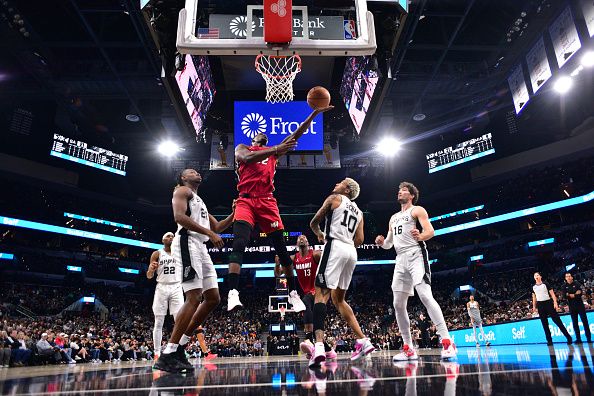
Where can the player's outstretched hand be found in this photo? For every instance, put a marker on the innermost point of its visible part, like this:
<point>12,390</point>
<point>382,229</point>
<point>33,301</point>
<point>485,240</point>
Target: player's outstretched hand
<point>323,109</point>
<point>415,234</point>
<point>286,146</point>
<point>153,266</point>
<point>379,240</point>
<point>216,240</point>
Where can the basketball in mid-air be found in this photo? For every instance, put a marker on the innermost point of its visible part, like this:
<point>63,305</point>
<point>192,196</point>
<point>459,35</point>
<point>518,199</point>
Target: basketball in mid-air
<point>318,97</point>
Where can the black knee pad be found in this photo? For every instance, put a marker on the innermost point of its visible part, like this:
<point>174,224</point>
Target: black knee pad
<point>241,238</point>
<point>278,241</point>
<point>319,316</point>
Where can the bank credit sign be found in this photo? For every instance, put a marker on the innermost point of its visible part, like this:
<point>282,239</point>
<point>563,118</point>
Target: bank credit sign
<point>277,121</point>
<point>521,332</point>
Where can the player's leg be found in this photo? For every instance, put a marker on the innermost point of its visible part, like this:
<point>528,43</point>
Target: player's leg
<point>160,311</point>
<point>158,333</point>
<point>319,317</point>
<point>185,250</point>
<point>544,320</point>
<point>307,345</point>
<point>402,289</point>
<point>487,342</point>
<point>242,229</point>
<point>476,340</point>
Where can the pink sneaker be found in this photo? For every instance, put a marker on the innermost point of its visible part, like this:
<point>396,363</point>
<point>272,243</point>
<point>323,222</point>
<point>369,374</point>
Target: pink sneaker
<point>331,355</point>
<point>318,355</point>
<point>307,348</point>
<point>362,348</point>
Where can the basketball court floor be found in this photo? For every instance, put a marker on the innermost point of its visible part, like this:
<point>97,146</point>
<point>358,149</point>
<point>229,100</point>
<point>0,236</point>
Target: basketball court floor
<point>503,370</point>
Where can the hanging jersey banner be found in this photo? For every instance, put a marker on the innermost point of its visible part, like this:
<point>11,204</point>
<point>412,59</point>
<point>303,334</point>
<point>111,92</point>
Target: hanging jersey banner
<point>329,159</point>
<point>565,37</point>
<point>222,155</point>
<point>538,65</point>
<point>518,88</point>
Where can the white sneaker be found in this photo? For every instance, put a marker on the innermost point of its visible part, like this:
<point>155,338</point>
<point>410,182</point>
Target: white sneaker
<point>318,356</point>
<point>363,348</point>
<point>449,350</point>
<point>233,300</point>
<point>307,348</point>
<point>295,301</point>
<point>407,353</point>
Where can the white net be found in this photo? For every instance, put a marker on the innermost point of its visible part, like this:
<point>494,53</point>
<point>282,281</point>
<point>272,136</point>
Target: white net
<point>279,73</point>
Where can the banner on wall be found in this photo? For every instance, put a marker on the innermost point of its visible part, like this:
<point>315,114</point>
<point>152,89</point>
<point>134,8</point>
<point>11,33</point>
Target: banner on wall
<point>564,36</point>
<point>329,159</point>
<point>521,332</point>
<point>222,153</point>
<point>518,88</point>
<point>301,161</point>
<point>538,65</point>
<point>588,10</point>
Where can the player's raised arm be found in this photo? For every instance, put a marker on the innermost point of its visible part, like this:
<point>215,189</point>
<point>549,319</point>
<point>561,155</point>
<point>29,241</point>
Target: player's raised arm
<point>421,215</point>
<point>305,124</point>
<point>181,195</point>
<point>243,154</point>
<point>153,265</point>
<point>331,202</point>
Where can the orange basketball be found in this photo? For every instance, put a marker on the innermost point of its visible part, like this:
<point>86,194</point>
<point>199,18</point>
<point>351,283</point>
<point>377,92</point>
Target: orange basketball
<point>318,97</point>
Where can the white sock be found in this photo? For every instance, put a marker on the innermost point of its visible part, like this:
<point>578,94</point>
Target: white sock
<point>170,348</point>
<point>184,340</point>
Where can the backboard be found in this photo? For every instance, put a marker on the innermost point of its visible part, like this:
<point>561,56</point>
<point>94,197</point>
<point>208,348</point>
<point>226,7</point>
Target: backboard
<point>319,28</point>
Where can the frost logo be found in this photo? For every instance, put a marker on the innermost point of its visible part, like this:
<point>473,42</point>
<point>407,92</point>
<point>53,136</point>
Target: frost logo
<point>238,26</point>
<point>279,8</point>
<point>253,124</point>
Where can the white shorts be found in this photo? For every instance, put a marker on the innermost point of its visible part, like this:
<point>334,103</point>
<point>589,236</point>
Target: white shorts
<point>411,269</point>
<point>337,265</point>
<point>197,268</point>
<point>168,295</point>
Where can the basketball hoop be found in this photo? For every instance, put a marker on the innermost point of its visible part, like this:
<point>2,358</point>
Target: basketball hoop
<point>279,73</point>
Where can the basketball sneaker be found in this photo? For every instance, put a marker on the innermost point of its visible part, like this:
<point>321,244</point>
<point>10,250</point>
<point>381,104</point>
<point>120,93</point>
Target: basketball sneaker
<point>407,353</point>
<point>318,356</point>
<point>295,301</point>
<point>210,356</point>
<point>307,348</point>
<point>331,355</point>
<point>449,350</point>
<point>174,362</point>
<point>233,300</point>
<point>488,343</point>
<point>362,347</point>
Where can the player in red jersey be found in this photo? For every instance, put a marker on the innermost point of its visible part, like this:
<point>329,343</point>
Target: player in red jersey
<point>306,262</point>
<point>256,205</point>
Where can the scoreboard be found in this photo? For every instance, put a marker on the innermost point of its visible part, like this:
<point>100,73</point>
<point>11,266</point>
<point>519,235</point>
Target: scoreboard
<point>463,152</point>
<point>82,153</point>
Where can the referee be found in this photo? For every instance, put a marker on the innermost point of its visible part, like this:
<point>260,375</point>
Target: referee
<point>544,299</point>
<point>573,294</point>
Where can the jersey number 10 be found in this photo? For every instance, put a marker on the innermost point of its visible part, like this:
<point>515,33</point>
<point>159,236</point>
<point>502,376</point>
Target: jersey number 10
<point>349,221</point>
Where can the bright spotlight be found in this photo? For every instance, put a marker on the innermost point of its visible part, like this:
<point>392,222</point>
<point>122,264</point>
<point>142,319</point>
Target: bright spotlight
<point>563,84</point>
<point>168,148</point>
<point>588,59</point>
<point>388,146</point>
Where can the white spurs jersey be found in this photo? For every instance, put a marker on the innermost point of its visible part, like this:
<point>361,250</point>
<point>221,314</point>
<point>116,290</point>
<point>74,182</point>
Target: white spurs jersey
<point>342,222</point>
<point>196,211</point>
<point>169,270</point>
<point>401,225</point>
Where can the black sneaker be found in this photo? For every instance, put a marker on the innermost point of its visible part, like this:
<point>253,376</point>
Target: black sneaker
<point>181,354</point>
<point>172,363</point>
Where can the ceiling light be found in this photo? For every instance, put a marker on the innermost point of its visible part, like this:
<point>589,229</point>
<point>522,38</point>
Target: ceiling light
<point>168,148</point>
<point>588,59</point>
<point>419,117</point>
<point>563,84</point>
<point>132,117</point>
<point>388,146</point>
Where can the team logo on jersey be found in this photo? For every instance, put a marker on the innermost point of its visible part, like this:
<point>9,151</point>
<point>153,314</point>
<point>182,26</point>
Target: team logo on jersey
<point>274,224</point>
<point>253,124</point>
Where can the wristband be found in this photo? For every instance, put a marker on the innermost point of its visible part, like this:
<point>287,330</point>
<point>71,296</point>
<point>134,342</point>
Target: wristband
<point>275,150</point>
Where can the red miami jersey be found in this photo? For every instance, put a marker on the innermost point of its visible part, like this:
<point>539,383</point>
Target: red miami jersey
<point>306,268</point>
<point>257,178</point>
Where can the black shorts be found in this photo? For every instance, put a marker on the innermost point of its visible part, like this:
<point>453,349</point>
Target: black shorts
<point>308,300</point>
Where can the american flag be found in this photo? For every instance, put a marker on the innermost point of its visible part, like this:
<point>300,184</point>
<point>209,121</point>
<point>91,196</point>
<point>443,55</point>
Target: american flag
<point>208,33</point>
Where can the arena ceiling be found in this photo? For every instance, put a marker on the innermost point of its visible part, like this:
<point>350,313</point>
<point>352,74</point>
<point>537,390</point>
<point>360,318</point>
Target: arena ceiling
<point>82,66</point>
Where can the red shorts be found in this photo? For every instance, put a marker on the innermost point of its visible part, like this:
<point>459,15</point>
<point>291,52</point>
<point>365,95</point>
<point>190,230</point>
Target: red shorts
<point>261,211</point>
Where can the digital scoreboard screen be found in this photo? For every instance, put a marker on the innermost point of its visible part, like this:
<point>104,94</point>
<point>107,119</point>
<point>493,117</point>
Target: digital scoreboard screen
<point>463,152</point>
<point>82,153</point>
